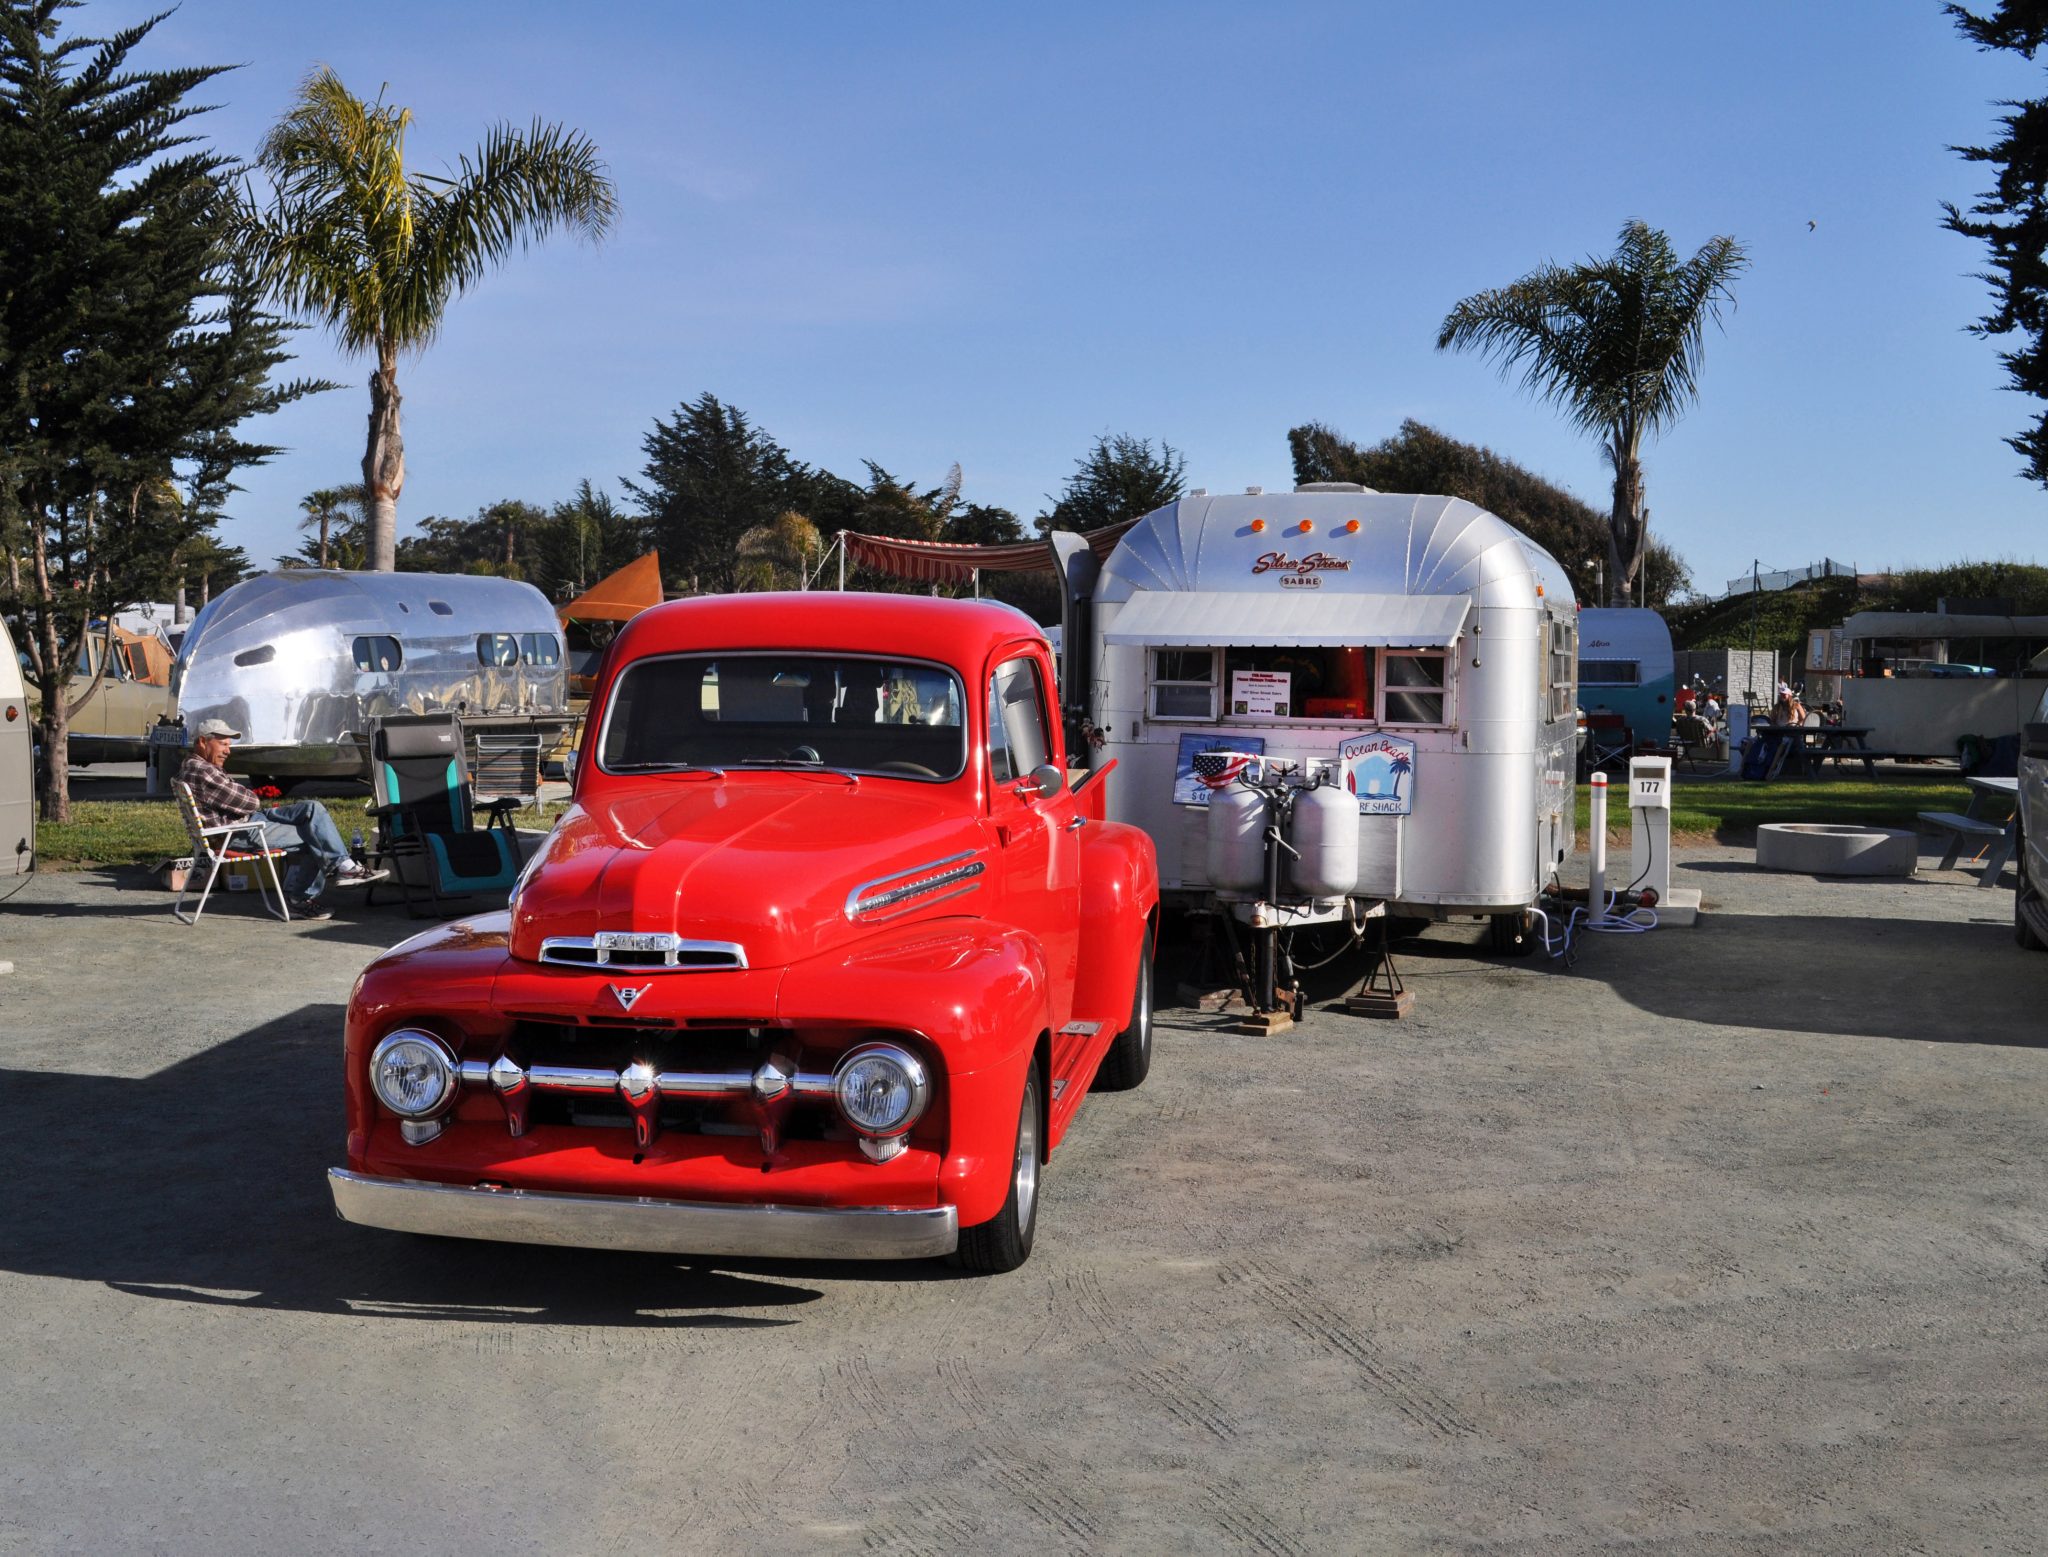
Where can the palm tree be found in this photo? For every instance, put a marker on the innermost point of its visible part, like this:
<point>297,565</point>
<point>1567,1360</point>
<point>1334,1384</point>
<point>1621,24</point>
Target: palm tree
<point>1616,344</point>
<point>322,508</point>
<point>375,251</point>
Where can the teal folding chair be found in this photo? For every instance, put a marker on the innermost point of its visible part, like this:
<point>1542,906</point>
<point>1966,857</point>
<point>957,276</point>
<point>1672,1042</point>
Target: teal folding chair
<point>426,816</point>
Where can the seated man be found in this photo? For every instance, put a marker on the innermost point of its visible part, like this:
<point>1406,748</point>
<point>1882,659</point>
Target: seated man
<point>302,826</point>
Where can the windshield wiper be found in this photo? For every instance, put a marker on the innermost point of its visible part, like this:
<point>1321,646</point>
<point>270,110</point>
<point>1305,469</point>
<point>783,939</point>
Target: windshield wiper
<point>663,767</point>
<point>797,765</point>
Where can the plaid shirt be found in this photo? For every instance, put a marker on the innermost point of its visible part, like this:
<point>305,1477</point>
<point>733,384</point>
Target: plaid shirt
<point>218,798</point>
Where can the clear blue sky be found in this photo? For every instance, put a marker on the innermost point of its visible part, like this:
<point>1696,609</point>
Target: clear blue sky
<point>921,233</point>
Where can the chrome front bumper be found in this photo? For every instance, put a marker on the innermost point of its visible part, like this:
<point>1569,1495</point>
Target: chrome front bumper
<point>638,1222</point>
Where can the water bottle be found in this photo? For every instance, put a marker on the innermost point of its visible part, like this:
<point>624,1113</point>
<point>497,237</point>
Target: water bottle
<point>355,845</point>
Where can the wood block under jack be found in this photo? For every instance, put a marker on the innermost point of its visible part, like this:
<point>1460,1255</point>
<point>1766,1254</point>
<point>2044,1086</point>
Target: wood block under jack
<point>1265,1024</point>
<point>1368,1002</point>
<point>1213,1000</point>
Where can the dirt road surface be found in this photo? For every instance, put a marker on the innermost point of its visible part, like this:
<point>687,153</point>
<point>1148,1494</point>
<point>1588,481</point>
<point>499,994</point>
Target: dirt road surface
<point>1731,1239</point>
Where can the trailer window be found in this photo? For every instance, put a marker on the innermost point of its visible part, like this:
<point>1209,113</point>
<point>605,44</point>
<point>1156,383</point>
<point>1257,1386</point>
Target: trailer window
<point>497,650</point>
<point>1017,740</point>
<point>1610,673</point>
<point>1183,683</point>
<point>378,654</point>
<point>1322,683</point>
<point>1414,682</point>
<point>1564,658</point>
<point>540,649</point>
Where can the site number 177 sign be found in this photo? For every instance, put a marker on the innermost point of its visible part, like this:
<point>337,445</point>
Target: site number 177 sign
<point>1380,771</point>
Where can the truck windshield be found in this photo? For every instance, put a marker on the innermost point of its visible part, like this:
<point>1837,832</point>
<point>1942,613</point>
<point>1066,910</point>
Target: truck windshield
<point>897,718</point>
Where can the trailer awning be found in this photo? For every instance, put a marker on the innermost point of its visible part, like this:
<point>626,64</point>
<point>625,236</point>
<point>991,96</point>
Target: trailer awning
<point>1199,619</point>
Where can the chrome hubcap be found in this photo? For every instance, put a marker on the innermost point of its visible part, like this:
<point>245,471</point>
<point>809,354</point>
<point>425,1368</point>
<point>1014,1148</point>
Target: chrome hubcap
<point>1027,1160</point>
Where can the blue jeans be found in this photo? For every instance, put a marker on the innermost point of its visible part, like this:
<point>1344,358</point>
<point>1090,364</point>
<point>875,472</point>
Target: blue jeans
<point>304,827</point>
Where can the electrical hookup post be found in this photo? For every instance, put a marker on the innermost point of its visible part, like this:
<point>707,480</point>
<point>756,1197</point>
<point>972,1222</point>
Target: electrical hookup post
<point>1638,896</point>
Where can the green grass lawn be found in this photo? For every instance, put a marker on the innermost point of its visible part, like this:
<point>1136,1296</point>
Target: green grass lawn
<point>147,832</point>
<point>1731,810</point>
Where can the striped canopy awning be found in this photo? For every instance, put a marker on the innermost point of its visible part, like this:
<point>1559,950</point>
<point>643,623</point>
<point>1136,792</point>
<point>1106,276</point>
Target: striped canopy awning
<point>941,562</point>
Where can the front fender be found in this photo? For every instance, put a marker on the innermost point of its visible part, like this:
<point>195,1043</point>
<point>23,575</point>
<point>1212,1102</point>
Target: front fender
<point>980,994</point>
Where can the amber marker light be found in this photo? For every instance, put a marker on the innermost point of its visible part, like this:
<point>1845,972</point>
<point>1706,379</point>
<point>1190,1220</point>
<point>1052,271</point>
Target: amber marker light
<point>1351,527</point>
<point>1258,527</point>
<point>1307,525</point>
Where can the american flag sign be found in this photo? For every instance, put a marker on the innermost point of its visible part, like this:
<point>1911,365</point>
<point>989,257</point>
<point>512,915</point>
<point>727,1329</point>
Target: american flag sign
<point>1220,769</point>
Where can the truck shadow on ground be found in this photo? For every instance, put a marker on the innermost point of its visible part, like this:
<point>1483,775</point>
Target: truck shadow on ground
<point>206,1183</point>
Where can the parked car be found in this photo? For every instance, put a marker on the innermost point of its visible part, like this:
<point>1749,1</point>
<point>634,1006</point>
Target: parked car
<point>820,962</point>
<point>2030,902</point>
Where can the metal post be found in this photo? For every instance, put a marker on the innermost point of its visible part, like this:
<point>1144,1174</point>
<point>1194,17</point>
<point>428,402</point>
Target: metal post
<point>842,559</point>
<point>1596,879</point>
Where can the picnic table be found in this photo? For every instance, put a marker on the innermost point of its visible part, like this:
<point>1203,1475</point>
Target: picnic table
<point>1996,835</point>
<point>1804,748</point>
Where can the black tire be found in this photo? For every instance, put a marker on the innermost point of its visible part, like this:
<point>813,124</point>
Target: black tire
<point>2026,895</point>
<point>1004,1241</point>
<point>1129,1059</point>
<point>1511,935</point>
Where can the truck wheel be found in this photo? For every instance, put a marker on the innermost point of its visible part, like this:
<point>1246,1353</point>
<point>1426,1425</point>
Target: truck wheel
<point>1511,935</point>
<point>1130,1052</point>
<point>1004,1242</point>
<point>2025,896</point>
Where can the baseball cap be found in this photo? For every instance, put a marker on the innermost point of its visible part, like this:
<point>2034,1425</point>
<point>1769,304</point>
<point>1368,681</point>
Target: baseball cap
<point>216,727</point>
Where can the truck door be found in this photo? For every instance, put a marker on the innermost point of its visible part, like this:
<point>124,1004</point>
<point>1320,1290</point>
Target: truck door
<point>1039,845</point>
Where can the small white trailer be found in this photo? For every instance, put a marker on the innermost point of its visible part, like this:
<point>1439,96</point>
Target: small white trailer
<point>1418,648</point>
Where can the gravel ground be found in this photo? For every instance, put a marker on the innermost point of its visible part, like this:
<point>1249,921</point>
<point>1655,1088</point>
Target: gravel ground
<point>1730,1239</point>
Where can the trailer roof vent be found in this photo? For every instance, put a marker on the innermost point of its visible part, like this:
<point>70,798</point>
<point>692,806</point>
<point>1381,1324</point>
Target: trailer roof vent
<point>1198,492</point>
<point>1254,491</point>
<point>1332,486</point>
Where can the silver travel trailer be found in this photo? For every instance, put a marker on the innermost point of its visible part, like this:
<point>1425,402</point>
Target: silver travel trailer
<point>302,661</point>
<point>1419,649</point>
<point>17,766</point>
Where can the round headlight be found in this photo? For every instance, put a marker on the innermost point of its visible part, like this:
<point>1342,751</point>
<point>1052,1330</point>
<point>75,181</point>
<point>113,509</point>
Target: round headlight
<point>413,1074</point>
<point>881,1089</point>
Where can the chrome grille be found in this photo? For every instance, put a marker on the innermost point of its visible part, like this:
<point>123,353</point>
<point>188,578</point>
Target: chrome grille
<point>642,951</point>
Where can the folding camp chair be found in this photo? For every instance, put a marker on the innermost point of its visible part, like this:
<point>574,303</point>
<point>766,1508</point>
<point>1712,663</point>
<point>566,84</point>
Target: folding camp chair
<point>426,815</point>
<point>1694,738</point>
<point>215,847</point>
<point>1608,741</point>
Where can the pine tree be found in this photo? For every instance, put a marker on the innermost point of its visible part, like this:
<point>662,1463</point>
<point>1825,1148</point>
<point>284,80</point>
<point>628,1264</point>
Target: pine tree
<point>133,343</point>
<point>2012,219</point>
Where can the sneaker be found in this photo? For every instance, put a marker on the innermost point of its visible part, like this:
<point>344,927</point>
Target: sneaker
<point>310,908</point>
<point>353,873</point>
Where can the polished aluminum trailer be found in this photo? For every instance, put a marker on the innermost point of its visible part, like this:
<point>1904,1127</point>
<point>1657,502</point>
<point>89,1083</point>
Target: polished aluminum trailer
<point>17,766</point>
<point>304,660</point>
<point>1421,648</point>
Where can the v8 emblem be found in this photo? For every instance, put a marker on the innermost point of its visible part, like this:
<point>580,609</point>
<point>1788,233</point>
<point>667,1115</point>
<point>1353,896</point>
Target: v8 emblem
<point>627,994</point>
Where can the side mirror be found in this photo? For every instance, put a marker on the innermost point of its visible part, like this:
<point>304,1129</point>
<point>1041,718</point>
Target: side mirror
<point>1046,779</point>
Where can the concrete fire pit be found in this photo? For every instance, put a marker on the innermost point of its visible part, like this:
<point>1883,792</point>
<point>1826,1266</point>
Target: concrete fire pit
<point>1827,849</point>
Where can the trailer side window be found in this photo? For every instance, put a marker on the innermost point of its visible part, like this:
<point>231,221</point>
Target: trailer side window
<point>1183,683</point>
<point>498,650</point>
<point>1564,657</point>
<point>1414,682</point>
<point>1610,673</point>
<point>540,649</point>
<point>378,654</point>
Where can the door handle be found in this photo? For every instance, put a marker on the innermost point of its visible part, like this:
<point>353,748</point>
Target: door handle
<point>1076,823</point>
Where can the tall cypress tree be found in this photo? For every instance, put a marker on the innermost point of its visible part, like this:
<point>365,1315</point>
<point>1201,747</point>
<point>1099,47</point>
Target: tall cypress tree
<point>2012,219</point>
<point>133,342</point>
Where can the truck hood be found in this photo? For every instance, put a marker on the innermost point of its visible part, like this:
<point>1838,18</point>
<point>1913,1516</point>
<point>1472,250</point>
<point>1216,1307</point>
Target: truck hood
<point>768,861</point>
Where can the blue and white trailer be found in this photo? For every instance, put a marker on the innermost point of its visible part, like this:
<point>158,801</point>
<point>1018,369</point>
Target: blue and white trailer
<point>1626,668</point>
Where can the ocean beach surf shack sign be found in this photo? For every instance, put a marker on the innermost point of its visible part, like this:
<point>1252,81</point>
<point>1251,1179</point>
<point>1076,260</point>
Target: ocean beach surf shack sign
<point>1380,771</point>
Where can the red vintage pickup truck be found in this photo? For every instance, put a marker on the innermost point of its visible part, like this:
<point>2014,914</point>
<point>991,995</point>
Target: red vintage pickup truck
<point>819,963</point>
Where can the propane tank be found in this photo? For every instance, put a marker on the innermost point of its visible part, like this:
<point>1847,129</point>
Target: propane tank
<point>1237,840</point>
<point>1325,833</point>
